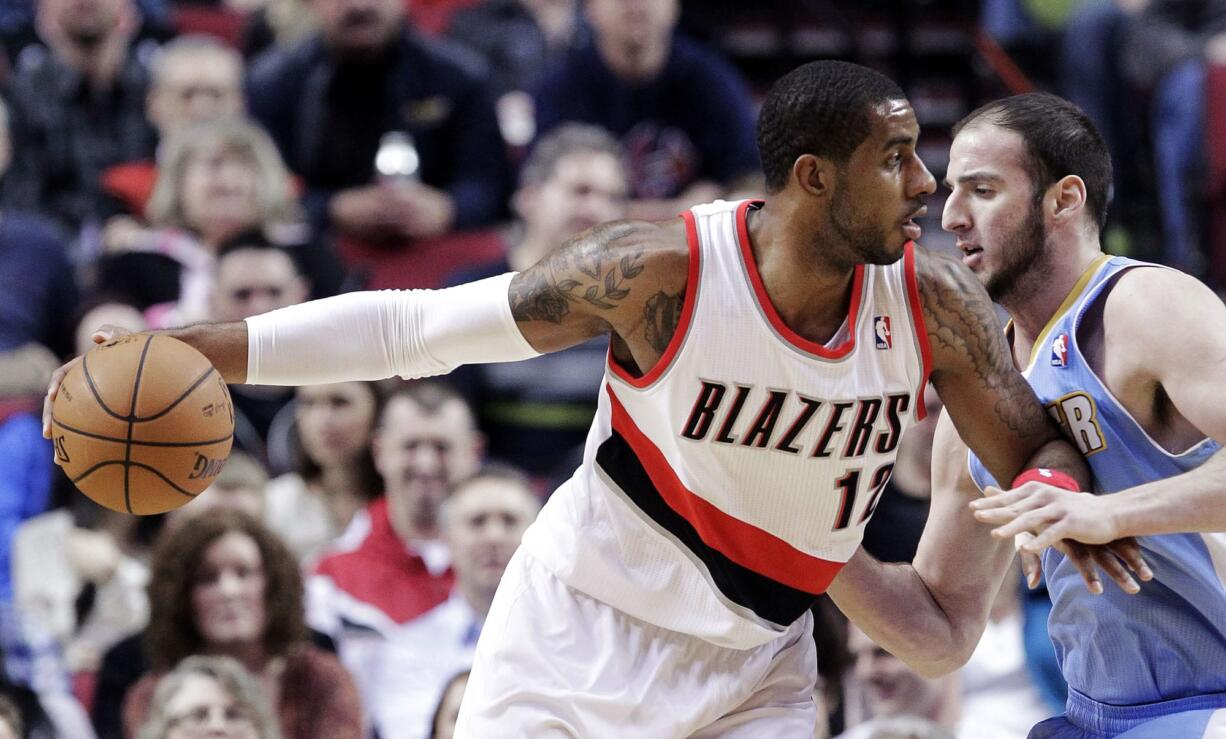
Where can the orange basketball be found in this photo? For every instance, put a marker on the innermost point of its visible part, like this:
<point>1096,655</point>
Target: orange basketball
<point>142,424</point>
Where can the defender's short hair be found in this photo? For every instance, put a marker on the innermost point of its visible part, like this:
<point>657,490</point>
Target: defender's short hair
<point>1060,140</point>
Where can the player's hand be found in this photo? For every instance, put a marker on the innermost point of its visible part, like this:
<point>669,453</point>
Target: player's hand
<point>1038,516</point>
<point>101,336</point>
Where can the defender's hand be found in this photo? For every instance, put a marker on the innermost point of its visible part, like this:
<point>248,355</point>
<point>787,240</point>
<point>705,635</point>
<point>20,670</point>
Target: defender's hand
<point>101,336</point>
<point>1040,516</point>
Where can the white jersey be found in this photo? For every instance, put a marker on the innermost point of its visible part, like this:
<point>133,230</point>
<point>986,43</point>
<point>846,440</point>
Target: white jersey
<point>723,490</point>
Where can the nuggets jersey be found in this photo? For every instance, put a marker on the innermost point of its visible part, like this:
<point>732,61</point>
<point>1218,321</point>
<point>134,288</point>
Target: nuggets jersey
<point>722,491</point>
<point>1169,641</point>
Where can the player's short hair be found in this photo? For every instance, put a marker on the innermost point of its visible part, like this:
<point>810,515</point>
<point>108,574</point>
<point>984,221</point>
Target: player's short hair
<point>821,108</point>
<point>1060,140</point>
<point>561,142</point>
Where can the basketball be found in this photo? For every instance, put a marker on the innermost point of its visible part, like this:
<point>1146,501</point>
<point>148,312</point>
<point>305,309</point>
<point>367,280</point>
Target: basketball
<point>142,424</point>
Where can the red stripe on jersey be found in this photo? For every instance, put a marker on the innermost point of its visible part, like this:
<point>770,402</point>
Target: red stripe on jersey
<point>759,288</point>
<point>921,329</point>
<point>683,324</point>
<point>741,542</point>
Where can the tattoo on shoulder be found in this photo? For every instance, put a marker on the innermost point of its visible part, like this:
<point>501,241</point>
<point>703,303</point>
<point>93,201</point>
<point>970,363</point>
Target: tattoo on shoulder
<point>594,269</point>
<point>962,323</point>
<point>661,316</point>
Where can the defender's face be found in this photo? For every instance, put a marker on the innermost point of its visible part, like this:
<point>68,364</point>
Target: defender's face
<point>991,207</point>
<point>882,187</point>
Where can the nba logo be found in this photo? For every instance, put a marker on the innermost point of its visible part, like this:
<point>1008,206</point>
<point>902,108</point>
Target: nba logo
<point>882,333</point>
<point>1059,351</point>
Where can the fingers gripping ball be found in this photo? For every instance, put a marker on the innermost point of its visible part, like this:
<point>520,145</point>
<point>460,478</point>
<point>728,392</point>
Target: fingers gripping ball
<point>142,424</point>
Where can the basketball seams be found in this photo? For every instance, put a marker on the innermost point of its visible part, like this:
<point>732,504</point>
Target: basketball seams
<point>137,442</point>
<point>174,403</point>
<point>93,389</point>
<point>167,480</point>
<point>127,452</point>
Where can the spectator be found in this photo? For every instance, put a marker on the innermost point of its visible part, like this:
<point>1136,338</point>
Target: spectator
<point>238,487</point>
<point>1116,52</point>
<point>389,567</point>
<point>209,696</point>
<point>79,572</point>
<point>11,726</point>
<point>574,180</point>
<point>682,112</point>
<point>336,474</point>
<point>519,39</point>
<point>33,676</point>
<point>192,79</point>
<point>225,585</point>
<point>330,101</point>
<point>448,709</point>
<point>255,276</point>
<point>87,73</point>
<point>891,689</point>
<point>37,299</point>
<point>217,180</point>
<point>38,296</point>
<point>482,523</point>
<point>277,24</point>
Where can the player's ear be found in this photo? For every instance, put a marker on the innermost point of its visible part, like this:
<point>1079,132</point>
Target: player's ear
<point>813,174</point>
<point>1070,197</point>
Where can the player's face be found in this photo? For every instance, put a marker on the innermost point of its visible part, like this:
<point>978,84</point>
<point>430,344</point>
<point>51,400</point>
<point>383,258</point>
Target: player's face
<point>228,595</point>
<point>992,208</point>
<point>484,526</point>
<point>203,708</point>
<point>890,687</point>
<point>882,187</point>
<point>587,188</point>
<point>335,421</point>
<point>421,455</point>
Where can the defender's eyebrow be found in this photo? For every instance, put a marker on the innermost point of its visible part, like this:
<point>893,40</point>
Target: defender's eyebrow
<point>973,177</point>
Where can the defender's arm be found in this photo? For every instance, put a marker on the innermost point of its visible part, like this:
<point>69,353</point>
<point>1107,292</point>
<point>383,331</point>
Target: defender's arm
<point>1184,375</point>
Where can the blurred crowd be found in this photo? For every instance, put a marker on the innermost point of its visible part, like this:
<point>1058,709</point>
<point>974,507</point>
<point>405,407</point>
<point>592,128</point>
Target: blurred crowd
<point>172,163</point>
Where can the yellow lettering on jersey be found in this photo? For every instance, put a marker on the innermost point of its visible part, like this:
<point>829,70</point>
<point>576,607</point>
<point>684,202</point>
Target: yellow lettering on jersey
<point>1078,414</point>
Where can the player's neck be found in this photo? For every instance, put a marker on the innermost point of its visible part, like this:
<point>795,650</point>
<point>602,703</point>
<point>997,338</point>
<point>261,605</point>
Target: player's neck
<point>809,292</point>
<point>1035,301</point>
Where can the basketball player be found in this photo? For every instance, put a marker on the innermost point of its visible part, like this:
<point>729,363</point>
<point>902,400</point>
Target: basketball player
<point>765,360</point>
<point>1129,357</point>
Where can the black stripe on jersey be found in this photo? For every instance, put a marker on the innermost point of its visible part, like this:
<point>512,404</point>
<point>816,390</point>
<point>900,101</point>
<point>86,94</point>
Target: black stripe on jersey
<point>773,601</point>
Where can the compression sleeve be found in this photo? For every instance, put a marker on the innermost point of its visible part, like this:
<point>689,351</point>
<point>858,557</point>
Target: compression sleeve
<point>374,335</point>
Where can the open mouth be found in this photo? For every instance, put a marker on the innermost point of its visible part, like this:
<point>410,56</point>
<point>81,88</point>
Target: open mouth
<point>970,253</point>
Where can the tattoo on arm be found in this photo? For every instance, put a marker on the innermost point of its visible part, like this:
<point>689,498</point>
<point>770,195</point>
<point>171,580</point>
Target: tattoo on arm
<point>962,323</point>
<point>593,270</point>
<point>661,316</point>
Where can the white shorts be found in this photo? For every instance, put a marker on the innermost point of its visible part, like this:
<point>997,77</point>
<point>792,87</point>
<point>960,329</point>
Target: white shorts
<point>552,662</point>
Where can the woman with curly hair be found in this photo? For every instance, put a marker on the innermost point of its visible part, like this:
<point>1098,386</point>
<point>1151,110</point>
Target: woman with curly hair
<point>209,696</point>
<point>225,585</point>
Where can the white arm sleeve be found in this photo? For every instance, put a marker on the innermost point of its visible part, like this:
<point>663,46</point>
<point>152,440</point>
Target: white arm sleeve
<point>374,335</point>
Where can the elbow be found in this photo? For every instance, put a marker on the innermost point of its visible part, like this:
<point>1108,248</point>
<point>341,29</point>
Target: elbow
<point>937,657</point>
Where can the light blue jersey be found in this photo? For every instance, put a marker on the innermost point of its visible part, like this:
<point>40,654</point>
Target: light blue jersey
<point>1117,650</point>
